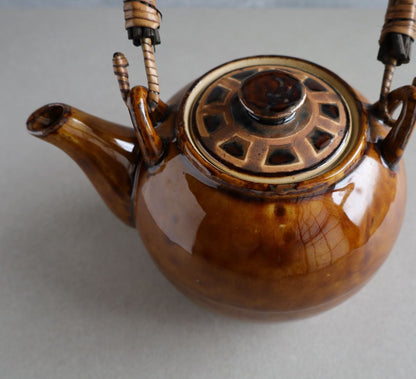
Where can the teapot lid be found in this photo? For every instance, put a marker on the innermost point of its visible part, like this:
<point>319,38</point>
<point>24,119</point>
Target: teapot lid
<point>270,120</point>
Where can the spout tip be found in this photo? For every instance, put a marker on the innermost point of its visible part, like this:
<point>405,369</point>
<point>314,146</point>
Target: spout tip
<point>48,119</point>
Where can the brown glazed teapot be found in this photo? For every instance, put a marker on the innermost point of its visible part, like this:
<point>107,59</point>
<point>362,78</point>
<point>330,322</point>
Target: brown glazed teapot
<point>268,188</point>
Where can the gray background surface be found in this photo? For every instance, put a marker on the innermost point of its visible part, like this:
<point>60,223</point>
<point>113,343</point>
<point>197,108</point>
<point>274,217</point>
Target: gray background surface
<point>79,295</point>
<point>200,3</point>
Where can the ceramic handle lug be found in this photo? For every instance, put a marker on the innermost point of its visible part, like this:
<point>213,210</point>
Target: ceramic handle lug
<point>149,141</point>
<point>136,100</point>
<point>393,146</point>
<point>397,36</point>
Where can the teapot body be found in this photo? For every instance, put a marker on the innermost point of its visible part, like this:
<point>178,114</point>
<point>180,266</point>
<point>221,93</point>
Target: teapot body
<point>268,188</point>
<point>268,257</point>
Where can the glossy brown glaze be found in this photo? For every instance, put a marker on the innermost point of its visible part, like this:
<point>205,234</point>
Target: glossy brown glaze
<point>235,248</point>
<point>394,144</point>
<point>280,258</point>
<point>106,152</point>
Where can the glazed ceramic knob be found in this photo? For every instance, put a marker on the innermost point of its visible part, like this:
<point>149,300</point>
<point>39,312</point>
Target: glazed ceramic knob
<point>272,97</point>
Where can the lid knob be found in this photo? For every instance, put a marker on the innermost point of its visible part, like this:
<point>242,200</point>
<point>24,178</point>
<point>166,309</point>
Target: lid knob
<point>272,97</point>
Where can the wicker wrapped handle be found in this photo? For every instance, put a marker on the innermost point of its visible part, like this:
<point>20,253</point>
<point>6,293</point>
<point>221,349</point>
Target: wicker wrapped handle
<point>399,31</point>
<point>142,21</point>
<point>397,36</point>
<point>144,104</point>
<point>142,24</point>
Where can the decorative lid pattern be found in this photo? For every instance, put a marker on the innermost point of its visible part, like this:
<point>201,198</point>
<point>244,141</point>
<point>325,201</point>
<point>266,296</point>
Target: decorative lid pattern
<point>277,118</point>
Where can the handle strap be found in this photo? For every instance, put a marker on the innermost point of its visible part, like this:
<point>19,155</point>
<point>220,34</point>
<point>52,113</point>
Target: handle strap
<point>398,33</point>
<point>142,25</point>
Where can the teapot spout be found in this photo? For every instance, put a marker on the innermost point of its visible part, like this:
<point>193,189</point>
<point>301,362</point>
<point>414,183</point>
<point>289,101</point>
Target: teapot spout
<point>107,153</point>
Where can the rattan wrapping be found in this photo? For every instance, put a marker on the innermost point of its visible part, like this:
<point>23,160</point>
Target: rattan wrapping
<point>400,18</point>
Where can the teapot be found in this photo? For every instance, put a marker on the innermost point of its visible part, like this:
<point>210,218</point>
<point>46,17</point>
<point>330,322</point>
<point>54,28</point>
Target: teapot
<point>268,188</point>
